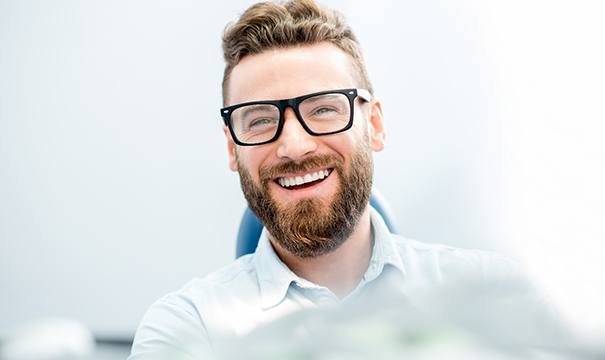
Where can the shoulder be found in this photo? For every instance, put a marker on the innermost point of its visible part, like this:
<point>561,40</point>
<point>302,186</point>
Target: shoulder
<point>234,280</point>
<point>232,275</point>
<point>449,261</point>
<point>185,319</point>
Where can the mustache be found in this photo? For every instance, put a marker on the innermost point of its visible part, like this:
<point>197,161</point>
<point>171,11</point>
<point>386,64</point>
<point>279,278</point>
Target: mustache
<point>313,162</point>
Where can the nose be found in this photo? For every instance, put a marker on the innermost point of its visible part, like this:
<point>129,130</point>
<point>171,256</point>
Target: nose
<point>295,142</point>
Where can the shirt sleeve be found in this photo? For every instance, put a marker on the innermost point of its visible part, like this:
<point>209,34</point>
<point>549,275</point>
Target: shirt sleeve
<point>171,329</point>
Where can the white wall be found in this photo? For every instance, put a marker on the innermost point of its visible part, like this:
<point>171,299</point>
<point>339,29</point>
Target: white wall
<point>114,186</point>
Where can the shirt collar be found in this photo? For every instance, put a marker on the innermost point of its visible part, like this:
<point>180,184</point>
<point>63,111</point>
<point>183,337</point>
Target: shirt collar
<point>275,277</point>
<point>385,251</point>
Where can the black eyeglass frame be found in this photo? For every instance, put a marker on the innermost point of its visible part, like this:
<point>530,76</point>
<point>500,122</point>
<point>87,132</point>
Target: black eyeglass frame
<point>293,103</point>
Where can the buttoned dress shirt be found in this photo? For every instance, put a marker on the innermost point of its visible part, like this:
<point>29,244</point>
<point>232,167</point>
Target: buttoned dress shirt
<point>258,288</point>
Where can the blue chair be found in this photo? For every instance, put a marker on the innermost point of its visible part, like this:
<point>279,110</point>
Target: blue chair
<point>250,227</point>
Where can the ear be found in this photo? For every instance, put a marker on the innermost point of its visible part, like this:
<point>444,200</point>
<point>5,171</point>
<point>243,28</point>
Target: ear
<point>230,149</point>
<point>376,127</point>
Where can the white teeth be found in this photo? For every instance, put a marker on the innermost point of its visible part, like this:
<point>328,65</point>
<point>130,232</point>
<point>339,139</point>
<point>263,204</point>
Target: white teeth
<point>299,180</point>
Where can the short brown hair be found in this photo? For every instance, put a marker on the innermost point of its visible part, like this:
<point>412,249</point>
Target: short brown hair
<point>270,25</point>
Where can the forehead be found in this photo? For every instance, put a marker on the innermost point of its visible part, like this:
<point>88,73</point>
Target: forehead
<point>290,72</point>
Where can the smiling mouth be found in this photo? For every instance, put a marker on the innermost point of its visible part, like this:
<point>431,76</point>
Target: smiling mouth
<point>306,180</point>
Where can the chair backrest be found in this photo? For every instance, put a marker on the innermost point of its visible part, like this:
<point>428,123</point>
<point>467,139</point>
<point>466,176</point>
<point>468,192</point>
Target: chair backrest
<point>250,227</point>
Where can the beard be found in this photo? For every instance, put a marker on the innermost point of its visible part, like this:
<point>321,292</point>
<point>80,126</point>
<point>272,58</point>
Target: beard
<point>309,227</point>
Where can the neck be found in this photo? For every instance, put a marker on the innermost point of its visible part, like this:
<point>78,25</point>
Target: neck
<point>340,270</point>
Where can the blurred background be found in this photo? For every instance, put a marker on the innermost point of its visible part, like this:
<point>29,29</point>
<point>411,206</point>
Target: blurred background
<point>114,185</point>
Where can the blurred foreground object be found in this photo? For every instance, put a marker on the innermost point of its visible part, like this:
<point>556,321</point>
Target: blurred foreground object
<point>52,338</point>
<point>469,320</point>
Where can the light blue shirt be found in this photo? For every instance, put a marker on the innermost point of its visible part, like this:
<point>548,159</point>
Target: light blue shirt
<point>258,288</point>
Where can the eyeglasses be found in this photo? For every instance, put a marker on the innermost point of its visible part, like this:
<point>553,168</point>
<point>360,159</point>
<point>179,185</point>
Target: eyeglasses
<point>320,113</point>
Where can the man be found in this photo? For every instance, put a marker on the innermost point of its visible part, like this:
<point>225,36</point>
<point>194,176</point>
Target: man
<point>301,124</point>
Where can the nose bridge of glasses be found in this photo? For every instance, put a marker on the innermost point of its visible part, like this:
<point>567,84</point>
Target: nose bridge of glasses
<point>290,110</point>
<point>294,141</point>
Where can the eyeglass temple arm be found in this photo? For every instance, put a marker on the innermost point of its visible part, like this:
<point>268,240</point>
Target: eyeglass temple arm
<point>364,94</point>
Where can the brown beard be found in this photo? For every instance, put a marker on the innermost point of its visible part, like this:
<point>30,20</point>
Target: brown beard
<point>309,228</point>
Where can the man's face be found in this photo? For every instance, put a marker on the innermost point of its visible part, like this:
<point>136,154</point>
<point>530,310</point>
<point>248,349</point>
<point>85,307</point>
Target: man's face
<point>315,218</point>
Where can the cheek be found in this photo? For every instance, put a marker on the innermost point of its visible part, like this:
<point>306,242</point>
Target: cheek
<point>362,129</point>
<point>361,134</point>
<point>354,139</point>
<point>359,131</point>
<point>250,160</point>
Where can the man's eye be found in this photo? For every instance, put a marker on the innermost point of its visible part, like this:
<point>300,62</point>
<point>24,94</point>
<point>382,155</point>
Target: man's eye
<point>323,111</point>
<point>261,122</point>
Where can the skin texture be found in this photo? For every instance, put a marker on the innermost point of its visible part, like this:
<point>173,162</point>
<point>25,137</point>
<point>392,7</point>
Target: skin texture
<point>332,257</point>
